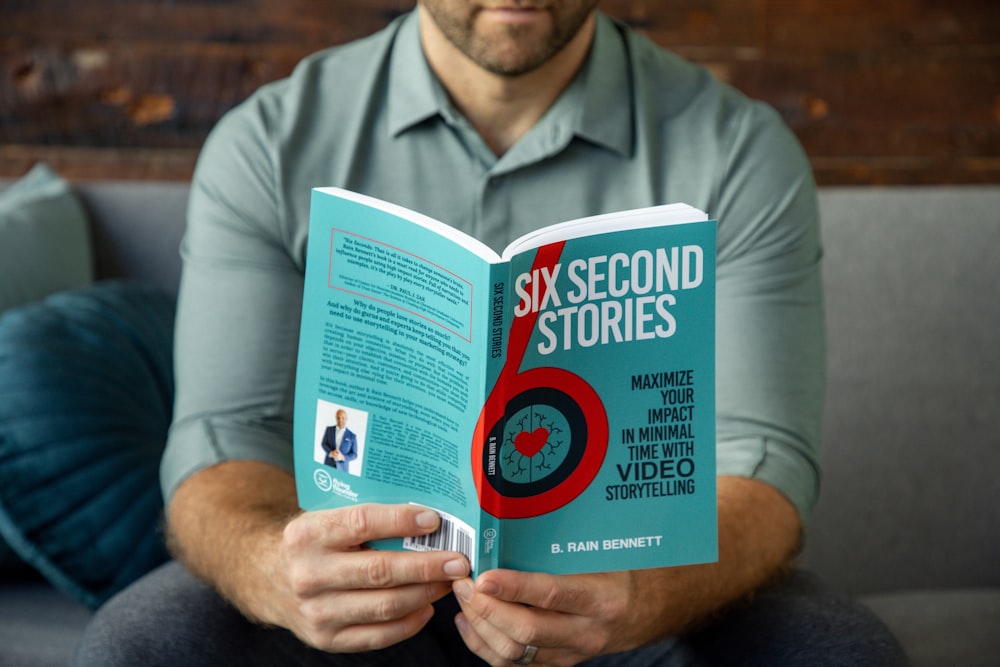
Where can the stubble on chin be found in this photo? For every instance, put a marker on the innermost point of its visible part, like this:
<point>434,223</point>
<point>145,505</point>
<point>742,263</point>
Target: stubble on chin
<point>512,50</point>
<point>507,49</point>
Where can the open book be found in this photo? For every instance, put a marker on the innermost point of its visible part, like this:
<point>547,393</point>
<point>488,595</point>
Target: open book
<point>555,405</point>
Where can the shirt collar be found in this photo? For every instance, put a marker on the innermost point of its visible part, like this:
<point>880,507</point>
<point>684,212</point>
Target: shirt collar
<point>415,94</point>
<point>608,112</point>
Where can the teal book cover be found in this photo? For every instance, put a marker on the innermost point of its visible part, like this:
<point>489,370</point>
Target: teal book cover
<point>554,405</point>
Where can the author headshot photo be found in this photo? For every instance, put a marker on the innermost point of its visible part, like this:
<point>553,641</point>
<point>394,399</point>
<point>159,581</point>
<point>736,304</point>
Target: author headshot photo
<point>339,446</point>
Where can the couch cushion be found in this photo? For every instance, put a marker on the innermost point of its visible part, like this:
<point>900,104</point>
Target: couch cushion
<point>39,627</point>
<point>910,455</point>
<point>944,627</point>
<point>44,239</point>
<point>86,392</point>
<point>136,228</point>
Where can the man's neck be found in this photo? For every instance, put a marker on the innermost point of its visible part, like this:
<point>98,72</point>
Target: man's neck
<point>502,108</point>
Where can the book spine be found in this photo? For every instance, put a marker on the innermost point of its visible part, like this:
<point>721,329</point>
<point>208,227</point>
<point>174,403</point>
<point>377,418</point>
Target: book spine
<point>491,527</point>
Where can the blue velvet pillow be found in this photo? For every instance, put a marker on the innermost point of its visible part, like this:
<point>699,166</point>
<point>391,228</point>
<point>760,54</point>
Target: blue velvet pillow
<point>86,394</point>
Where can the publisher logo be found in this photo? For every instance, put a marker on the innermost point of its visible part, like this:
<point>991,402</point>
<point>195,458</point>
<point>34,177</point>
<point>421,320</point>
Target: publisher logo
<point>323,480</point>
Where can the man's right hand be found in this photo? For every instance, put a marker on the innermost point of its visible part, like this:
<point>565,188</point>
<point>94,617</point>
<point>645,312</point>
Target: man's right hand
<point>311,573</point>
<point>343,597</point>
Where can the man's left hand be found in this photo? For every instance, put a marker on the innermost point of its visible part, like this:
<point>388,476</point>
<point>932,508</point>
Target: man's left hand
<point>573,618</point>
<point>569,618</point>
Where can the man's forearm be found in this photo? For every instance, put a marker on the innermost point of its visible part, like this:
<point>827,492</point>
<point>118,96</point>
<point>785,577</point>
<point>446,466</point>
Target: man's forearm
<point>225,524</point>
<point>758,537</point>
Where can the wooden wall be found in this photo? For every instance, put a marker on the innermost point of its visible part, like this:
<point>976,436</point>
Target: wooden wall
<point>880,92</point>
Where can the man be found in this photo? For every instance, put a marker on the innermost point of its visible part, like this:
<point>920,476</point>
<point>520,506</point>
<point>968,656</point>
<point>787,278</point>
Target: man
<point>495,117</point>
<point>339,443</point>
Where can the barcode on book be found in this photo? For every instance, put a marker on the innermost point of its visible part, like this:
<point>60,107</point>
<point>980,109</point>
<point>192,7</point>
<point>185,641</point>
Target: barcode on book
<point>452,535</point>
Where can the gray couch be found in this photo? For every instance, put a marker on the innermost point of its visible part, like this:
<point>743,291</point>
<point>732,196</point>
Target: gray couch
<point>909,519</point>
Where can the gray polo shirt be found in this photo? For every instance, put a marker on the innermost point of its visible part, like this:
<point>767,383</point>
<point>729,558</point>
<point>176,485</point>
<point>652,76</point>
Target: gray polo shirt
<point>638,126</point>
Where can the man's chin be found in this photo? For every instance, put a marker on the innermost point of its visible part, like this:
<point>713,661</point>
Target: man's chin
<point>514,54</point>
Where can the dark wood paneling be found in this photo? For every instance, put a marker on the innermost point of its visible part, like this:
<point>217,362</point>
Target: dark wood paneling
<point>898,91</point>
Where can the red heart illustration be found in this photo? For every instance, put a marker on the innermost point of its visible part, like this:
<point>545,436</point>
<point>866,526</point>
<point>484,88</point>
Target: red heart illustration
<point>531,443</point>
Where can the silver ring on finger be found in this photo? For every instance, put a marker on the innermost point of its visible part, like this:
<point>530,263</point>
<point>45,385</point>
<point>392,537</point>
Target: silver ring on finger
<point>529,655</point>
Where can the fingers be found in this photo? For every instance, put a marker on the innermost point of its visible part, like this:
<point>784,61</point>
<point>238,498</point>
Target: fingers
<point>498,631</point>
<point>604,594</point>
<point>325,549</point>
<point>350,527</point>
<point>372,569</point>
<point>359,638</point>
<point>343,596</point>
<point>375,606</point>
<point>570,618</point>
<point>478,645</point>
<point>500,650</point>
<point>367,620</point>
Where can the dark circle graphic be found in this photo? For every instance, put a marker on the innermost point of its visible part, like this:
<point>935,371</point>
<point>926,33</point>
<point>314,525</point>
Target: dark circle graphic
<point>565,428</point>
<point>540,408</point>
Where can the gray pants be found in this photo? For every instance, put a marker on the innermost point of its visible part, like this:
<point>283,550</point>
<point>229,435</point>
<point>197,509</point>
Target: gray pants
<point>171,619</point>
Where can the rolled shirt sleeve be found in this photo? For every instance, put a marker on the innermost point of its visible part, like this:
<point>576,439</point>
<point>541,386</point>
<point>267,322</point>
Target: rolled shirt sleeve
<point>238,313</point>
<point>770,331</point>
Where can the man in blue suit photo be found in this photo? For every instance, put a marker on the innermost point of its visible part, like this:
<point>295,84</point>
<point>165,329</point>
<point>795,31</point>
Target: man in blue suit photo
<point>340,443</point>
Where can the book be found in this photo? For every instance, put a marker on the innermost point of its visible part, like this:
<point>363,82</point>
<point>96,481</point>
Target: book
<point>555,404</point>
